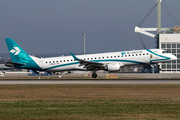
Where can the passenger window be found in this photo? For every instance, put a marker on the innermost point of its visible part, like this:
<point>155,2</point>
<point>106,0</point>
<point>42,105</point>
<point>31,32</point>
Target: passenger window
<point>147,53</point>
<point>121,55</point>
<point>114,56</point>
<point>64,60</point>
<point>103,57</point>
<point>125,55</point>
<point>129,55</point>
<point>46,62</point>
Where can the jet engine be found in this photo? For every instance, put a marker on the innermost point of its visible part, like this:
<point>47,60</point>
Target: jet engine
<point>113,67</point>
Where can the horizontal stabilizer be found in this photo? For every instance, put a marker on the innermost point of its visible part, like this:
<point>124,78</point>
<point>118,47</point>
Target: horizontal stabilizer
<point>15,63</point>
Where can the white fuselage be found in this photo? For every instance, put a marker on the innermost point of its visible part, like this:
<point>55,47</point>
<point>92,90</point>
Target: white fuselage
<point>124,58</point>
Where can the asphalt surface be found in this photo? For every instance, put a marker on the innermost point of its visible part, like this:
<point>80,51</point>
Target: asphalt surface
<point>102,81</point>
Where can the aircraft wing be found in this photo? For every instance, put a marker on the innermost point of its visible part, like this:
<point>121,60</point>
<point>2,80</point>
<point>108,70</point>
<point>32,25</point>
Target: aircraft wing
<point>89,65</point>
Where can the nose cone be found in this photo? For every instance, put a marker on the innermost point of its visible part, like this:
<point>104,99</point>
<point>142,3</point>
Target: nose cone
<point>174,57</point>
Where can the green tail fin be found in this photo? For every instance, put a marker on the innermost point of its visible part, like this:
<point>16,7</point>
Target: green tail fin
<point>20,58</point>
<point>17,54</point>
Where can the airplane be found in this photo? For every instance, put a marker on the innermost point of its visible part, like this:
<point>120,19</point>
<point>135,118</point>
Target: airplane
<point>111,61</point>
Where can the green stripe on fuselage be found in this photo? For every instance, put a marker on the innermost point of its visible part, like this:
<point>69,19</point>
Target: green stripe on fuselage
<point>151,61</point>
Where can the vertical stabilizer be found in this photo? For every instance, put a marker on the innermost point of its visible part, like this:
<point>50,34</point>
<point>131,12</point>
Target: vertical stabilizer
<point>16,52</point>
<point>19,56</point>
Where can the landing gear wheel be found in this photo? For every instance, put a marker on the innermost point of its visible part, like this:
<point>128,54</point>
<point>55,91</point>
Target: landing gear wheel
<point>94,75</point>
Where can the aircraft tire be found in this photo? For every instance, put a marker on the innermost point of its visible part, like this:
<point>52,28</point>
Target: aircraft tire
<point>94,75</point>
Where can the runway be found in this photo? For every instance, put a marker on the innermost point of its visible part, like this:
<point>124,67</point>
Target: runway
<point>89,81</point>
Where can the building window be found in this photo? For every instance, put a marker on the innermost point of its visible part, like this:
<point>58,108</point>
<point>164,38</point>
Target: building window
<point>178,50</point>
<point>169,50</point>
<point>173,45</point>
<point>173,66</point>
<point>163,66</point>
<point>168,66</point>
<point>163,45</point>
<point>178,60</point>
<point>178,45</point>
<point>178,66</point>
<point>178,55</point>
<point>168,45</point>
<point>173,50</point>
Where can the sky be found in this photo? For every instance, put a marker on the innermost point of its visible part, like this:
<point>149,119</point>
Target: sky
<point>56,26</point>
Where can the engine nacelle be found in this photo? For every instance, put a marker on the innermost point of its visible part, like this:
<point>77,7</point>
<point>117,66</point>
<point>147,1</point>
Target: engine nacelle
<point>113,67</point>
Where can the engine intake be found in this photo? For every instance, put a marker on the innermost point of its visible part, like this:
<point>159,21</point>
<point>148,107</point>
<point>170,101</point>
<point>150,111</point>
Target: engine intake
<point>113,67</point>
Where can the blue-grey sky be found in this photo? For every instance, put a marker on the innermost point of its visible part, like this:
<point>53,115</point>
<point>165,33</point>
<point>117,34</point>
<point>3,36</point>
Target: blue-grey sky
<point>56,26</point>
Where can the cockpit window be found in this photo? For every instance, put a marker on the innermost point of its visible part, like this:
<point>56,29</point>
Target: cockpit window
<point>164,52</point>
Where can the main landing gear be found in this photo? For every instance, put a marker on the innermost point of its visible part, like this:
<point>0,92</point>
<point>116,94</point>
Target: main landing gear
<point>94,75</point>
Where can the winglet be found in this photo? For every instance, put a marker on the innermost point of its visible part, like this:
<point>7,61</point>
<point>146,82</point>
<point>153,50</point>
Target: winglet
<point>75,58</point>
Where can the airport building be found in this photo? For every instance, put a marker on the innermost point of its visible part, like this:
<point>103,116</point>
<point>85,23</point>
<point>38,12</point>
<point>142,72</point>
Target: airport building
<point>167,39</point>
<point>170,41</point>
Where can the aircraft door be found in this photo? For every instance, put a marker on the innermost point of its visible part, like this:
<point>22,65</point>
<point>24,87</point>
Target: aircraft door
<point>41,63</point>
<point>153,56</point>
